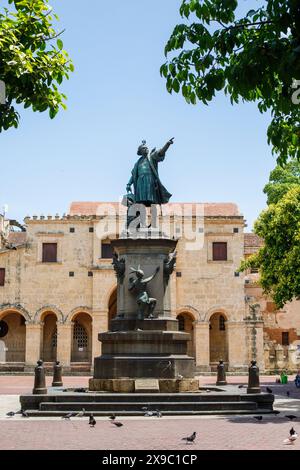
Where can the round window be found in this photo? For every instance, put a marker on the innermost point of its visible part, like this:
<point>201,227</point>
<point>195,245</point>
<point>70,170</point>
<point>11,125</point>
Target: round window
<point>3,328</point>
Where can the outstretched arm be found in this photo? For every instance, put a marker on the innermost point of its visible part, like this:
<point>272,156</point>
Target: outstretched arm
<point>163,150</point>
<point>148,279</point>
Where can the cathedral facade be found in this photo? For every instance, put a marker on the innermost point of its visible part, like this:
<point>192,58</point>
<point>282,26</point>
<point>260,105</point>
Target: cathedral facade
<point>58,290</point>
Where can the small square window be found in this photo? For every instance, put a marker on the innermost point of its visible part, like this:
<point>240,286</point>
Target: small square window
<point>2,277</point>
<point>91,229</point>
<point>71,274</point>
<point>178,274</point>
<point>237,274</point>
<point>90,273</point>
<point>235,230</point>
<point>72,229</point>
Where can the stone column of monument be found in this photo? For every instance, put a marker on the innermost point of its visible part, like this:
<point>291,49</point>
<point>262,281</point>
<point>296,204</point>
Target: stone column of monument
<point>144,342</point>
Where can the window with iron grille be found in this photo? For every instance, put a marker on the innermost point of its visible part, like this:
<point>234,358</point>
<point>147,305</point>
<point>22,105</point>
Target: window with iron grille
<point>222,323</point>
<point>80,335</point>
<point>219,251</point>
<point>49,253</point>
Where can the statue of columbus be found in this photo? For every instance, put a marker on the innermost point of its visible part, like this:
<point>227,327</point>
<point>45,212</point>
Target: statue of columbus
<point>148,188</point>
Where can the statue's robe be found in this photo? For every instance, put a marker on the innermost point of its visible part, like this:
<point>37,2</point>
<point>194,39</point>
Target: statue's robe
<point>148,188</point>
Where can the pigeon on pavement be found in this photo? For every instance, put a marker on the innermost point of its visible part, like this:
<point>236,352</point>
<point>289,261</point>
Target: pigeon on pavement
<point>190,438</point>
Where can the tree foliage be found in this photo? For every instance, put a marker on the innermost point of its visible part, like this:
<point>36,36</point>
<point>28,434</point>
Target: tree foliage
<point>255,58</point>
<point>279,258</point>
<point>281,180</point>
<point>33,62</point>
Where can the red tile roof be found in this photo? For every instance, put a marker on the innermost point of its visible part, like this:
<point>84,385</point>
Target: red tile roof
<point>211,209</point>
<point>252,240</point>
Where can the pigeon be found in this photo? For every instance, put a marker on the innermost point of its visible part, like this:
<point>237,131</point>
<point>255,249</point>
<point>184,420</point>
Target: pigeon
<point>68,416</point>
<point>287,393</point>
<point>92,421</point>
<point>112,417</point>
<point>158,413</point>
<point>145,408</point>
<point>276,412</point>
<point>290,417</point>
<point>10,414</point>
<point>258,418</point>
<point>117,423</point>
<point>25,414</point>
<point>190,438</point>
<point>149,413</point>
<point>269,390</point>
<point>291,439</point>
<point>81,413</point>
<point>240,386</point>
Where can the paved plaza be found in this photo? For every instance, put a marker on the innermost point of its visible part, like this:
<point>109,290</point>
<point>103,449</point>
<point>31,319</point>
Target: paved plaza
<point>151,433</point>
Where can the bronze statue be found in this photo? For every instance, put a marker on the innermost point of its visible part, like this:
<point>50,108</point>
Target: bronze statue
<point>169,264</point>
<point>148,188</point>
<point>145,303</point>
<point>119,267</point>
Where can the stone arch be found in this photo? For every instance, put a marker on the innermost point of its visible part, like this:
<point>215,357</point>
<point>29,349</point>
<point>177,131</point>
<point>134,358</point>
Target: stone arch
<point>82,335</point>
<point>49,336</point>
<point>108,295</point>
<point>186,320</point>
<point>14,336</point>
<point>14,308</point>
<point>218,337</point>
<point>78,310</point>
<point>193,312</point>
<point>51,309</point>
<point>216,309</point>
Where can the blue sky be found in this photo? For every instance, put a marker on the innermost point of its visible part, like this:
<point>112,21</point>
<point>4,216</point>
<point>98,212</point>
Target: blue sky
<point>116,98</point>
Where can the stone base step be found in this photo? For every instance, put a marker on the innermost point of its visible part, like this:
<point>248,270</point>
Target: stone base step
<point>118,408</point>
<point>143,398</point>
<point>124,413</point>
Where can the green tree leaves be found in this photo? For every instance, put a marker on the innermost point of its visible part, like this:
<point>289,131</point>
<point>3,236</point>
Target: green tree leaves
<point>255,58</point>
<point>32,63</point>
<point>279,226</point>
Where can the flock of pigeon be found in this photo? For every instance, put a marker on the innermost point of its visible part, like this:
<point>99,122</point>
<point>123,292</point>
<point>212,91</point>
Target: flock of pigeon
<point>189,439</point>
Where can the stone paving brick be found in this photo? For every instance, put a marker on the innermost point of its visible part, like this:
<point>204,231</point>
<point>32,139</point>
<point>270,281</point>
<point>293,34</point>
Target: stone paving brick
<point>148,434</point>
<point>223,433</point>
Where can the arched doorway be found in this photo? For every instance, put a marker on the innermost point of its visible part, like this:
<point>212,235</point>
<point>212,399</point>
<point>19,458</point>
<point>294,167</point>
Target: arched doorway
<point>218,343</point>
<point>185,323</point>
<point>112,306</point>
<point>49,346</point>
<point>81,338</point>
<point>13,337</point>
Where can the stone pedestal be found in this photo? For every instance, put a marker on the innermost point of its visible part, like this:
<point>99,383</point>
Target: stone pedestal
<point>149,348</point>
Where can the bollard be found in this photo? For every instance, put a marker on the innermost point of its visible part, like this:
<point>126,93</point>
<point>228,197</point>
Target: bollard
<point>57,375</point>
<point>39,379</point>
<point>253,378</point>
<point>221,378</point>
